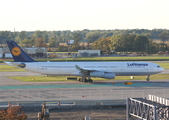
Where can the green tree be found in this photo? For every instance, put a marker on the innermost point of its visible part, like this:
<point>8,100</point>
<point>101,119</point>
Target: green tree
<point>46,37</point>
<point>129,43</point>
<point>22,35</point>
<point>26,43</point>
<point>153,47</point>
<point>76,37</point>
<point>164,36</point>
<point>119,43</point>
<point>38,34</point>
<point>54,42</point>
<point>4,36</point>
<point>92,36</point>
<point>141,43</point>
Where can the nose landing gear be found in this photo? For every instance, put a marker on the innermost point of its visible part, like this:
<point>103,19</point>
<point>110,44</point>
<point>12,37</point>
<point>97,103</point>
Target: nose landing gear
<point>148,78</point>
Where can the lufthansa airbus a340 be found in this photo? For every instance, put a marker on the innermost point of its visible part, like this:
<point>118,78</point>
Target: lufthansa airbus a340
<point>84,70</point>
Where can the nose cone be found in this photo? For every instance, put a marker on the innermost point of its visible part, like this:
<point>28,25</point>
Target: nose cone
<point>162,69</point>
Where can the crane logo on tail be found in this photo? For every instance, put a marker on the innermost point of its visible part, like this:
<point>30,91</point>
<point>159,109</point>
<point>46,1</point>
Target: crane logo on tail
<point>16,51</point>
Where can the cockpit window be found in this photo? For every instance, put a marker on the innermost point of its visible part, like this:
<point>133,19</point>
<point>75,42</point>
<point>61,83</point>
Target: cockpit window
<point>158,66</point>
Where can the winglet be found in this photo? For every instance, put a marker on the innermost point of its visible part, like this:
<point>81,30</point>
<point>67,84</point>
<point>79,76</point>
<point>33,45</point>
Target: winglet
<point>18,54</point>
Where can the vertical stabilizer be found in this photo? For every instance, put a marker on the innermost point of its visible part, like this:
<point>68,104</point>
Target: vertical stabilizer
<point>17,52</point>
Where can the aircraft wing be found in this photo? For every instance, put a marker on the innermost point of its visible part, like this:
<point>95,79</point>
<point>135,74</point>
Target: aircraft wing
<point>96,72</point>
<point>84,70</point>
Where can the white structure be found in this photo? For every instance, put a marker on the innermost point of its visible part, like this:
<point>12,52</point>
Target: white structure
<point>36,51</point>
<point>88,53</point>
<point>1,52</point>
<point>70,42</point>
<point>5,53</point>
<point>33,52</point>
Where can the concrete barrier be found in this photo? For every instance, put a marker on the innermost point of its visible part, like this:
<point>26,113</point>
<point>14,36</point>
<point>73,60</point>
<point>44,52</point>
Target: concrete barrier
<point>67,105</point>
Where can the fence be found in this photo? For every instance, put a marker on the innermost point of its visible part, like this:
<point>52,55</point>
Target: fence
<point>78,94</point>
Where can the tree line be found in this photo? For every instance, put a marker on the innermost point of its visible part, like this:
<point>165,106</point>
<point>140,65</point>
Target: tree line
<point>138,40</point>
<point>128,43</point>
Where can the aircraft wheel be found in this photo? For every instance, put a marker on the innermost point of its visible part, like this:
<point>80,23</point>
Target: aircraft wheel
<point>86,81</point>
<point>90,80</point>
<point>83,79</point>
<point>80,79</point>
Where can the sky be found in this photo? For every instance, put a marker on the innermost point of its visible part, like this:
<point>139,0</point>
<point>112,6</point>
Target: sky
<point>54,15</point>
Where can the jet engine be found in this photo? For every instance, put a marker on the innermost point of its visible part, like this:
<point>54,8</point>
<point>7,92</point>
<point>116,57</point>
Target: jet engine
<point>102,74</point>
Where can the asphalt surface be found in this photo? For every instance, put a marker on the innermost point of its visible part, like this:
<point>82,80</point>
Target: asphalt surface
<point>14,90</point>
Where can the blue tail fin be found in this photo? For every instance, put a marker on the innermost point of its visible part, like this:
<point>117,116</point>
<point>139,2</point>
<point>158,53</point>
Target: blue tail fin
<point>18,54</point>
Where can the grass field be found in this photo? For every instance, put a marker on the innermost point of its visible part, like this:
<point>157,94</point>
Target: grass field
<point>63,78</point>
<point>144,58</point>
<point>8,68</point>
<point>164,65</point>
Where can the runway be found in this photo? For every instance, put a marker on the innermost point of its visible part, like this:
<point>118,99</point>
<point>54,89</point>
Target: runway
<point>14,90</point>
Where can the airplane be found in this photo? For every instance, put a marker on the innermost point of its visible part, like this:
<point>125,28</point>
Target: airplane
<point>84,70</point>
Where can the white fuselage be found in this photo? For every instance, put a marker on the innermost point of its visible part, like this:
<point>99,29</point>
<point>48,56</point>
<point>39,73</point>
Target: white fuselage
<point>118,68</point>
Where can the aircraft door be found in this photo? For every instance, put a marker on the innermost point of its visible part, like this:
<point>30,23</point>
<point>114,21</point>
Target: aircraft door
<point>39,66</point>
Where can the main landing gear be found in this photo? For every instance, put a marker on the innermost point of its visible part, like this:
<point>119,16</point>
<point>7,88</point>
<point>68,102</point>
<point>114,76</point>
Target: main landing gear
<point>148,78</point>
<point>85,80</point>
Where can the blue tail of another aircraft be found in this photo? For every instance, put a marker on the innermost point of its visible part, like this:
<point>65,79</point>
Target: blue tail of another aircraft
<point>17,52</point>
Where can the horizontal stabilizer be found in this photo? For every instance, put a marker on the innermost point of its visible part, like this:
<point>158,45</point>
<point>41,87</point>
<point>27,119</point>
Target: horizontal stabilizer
<point>16,64</point>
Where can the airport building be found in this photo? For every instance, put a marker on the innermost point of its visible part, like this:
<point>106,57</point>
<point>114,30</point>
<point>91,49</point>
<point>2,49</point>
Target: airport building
<point>36,52</point>
<point>88,53</point>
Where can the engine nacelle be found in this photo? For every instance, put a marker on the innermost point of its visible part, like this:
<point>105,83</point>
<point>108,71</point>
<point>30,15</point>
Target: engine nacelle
<point>101,74</point>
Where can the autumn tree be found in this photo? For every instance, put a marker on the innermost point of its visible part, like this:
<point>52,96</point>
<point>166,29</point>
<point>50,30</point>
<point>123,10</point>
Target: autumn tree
<point>39,42</point>
<point>103,44</point>
<point>13,113</point>
<point>26,43</point>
